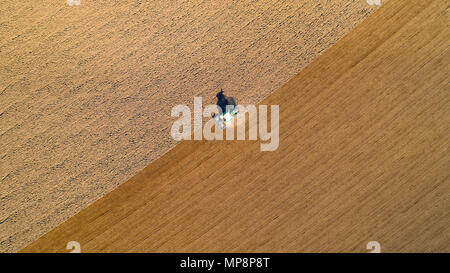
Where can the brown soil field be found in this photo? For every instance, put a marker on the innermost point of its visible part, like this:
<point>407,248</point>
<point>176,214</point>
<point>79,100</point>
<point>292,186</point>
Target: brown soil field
<point>86,91</point>
<point>363,156</point>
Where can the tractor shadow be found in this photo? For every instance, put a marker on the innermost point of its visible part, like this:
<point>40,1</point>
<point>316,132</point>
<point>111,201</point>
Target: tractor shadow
<point>223,101</point>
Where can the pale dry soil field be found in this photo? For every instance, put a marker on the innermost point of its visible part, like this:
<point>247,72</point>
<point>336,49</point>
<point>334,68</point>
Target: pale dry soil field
<point>86,91</point>
<point>364,156</point>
